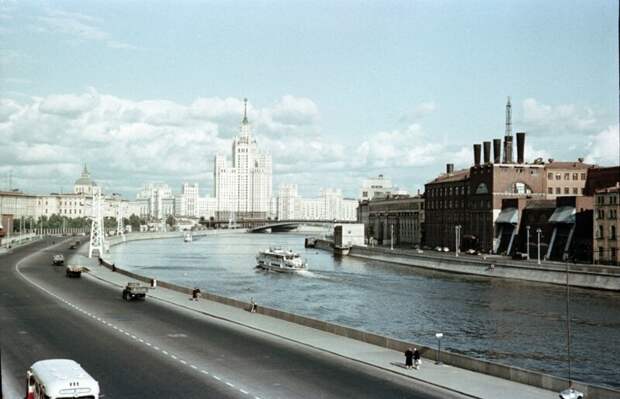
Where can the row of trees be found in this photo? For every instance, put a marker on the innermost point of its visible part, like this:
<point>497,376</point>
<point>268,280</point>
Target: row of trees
<point>59,222</point>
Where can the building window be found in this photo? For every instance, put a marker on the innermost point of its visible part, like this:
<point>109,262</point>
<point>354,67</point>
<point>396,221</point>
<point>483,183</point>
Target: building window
<point>575,176</point>
<point>566,190</point>
<point>612,232</point>
<point>566,176</point>
<point>558,176</point>
<point>583,176</point>
<point>600,234</point>
<point>550,190</point>
<point>575,190</point>
<point>558,190</point>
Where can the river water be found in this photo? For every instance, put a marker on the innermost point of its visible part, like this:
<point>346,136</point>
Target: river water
<point>521,324</point>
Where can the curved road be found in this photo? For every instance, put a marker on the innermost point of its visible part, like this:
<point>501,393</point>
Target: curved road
<point>153,350</point>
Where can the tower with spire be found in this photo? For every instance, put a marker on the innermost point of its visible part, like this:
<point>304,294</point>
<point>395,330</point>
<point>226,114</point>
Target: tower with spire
<point>243,188</point>
<point>508,134</point>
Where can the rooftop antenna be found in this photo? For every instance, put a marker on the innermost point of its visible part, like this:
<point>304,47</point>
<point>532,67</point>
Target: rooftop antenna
<point>508,118</point>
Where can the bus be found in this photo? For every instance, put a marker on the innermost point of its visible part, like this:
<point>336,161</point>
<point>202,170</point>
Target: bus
<point>60,379</point>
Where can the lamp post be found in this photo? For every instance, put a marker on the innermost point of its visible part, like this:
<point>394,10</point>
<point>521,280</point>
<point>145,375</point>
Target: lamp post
<point>457,234</point>
<point>527,231</point>
<point>538,231</point>
<point>438,336</point>
<point>392,237</point>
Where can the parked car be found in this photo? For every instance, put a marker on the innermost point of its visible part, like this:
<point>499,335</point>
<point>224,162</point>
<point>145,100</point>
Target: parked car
<point>571,393</point>
<point>471,252</point>
<point>446,249</point>
<point>438,249</point>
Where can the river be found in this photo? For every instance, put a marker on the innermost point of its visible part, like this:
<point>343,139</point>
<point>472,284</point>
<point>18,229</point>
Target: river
<point>518,323</point>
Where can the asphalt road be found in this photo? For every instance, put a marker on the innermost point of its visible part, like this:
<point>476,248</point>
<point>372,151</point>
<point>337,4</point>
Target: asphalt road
<point>153,350</point>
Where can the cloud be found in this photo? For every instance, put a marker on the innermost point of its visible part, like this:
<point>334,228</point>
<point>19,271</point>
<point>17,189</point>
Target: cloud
<point>295,111</point>
<point>604,147</point>
<point>68,104</point>
<point>78,26</point>
<point>419,111</point>
<point>127,143</point>
<point>564,118</point>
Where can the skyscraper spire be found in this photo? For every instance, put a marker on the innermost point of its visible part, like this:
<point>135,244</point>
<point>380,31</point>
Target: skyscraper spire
<point>508,118</point>
<point>245,111</point>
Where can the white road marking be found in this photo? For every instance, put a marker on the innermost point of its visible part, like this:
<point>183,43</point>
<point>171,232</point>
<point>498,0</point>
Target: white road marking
<point>95,317</point>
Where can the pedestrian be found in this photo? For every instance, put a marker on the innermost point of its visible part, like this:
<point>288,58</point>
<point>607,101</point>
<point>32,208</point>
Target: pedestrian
<point>416,358</point>
<point>195,293</point>
<point>408,358</point>
<point>253,306</point>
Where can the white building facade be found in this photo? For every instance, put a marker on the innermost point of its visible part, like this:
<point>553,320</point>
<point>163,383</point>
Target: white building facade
<point>243,188</point>
<point>329,206</point>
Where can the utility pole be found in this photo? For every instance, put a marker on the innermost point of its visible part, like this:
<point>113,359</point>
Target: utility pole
<point>392,237</point>
<point>527,230</point>
<point>538,231</point>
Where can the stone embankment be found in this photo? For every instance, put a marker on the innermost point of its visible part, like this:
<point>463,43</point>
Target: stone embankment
<point>579,275</point>
<point>507,372</point>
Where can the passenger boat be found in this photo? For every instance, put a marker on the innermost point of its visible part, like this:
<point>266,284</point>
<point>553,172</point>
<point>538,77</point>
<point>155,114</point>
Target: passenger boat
<point>279,260</point>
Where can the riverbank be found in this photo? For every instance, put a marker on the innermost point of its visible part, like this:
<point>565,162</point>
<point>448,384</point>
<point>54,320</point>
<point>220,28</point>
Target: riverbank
<point>579,275</point>
<point>378,341</point>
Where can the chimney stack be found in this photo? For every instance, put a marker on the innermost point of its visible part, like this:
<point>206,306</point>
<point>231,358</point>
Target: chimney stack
<point>508,149</point>
<point>520,147</point>
<point>476,154</point>
<point>487,151</point>
<point>497,150</point>
<point>449,168</point>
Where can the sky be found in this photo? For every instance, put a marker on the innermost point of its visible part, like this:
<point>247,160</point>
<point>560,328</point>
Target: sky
<point>337,91</point>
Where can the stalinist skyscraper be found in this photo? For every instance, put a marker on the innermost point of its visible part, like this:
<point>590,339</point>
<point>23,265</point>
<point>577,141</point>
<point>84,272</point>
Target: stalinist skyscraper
<point>243,189</point>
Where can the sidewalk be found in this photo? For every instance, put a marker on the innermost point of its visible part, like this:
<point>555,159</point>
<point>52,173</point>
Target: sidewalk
<point>455,379</point>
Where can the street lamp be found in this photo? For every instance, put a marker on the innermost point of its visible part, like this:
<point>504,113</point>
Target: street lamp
<point>457,234</point>
<point>570,392</point>
<point>527,230</point>
<point>438,336</point>
<point>538,231</point>
<point>392,237</point>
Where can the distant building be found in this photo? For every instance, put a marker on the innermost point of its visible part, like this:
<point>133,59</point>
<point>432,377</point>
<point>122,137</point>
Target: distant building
<point>329,206</point>
<point>243,189</point>
<point>607,226</point>
<point>374,187</point>
<point>566,178</point>
<point>398,218</point>
<point>155,200</point>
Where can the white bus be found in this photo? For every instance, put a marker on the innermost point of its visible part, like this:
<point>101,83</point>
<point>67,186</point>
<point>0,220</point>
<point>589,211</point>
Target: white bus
<point>60,379</point>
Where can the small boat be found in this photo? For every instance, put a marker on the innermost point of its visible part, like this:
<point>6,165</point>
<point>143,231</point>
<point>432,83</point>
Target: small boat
<point>279,260</point>
<point>188,237</point>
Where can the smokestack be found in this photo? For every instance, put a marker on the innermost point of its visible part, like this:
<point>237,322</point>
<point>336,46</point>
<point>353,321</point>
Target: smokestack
<point>520,147</point>
<point>497,150</point>
<point>449,168</point>
<point>487,151</point>
<point>508,149</point>
<point>476,154</point>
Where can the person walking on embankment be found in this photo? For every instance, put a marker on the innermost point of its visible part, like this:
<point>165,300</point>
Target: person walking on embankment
<point>408,358</point>
<point>416,358</point>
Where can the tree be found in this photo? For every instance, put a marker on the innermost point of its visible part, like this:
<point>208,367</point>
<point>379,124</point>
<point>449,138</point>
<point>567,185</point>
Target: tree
<point>171,221</point>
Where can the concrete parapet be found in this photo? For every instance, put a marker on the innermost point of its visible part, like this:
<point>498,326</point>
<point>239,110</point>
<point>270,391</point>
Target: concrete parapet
<point>582,276</point>
<point>507,372</point>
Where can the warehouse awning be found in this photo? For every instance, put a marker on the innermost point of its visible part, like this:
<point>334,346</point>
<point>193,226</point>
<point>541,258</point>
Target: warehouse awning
<point>508,215</point>
<point>563,214</point>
